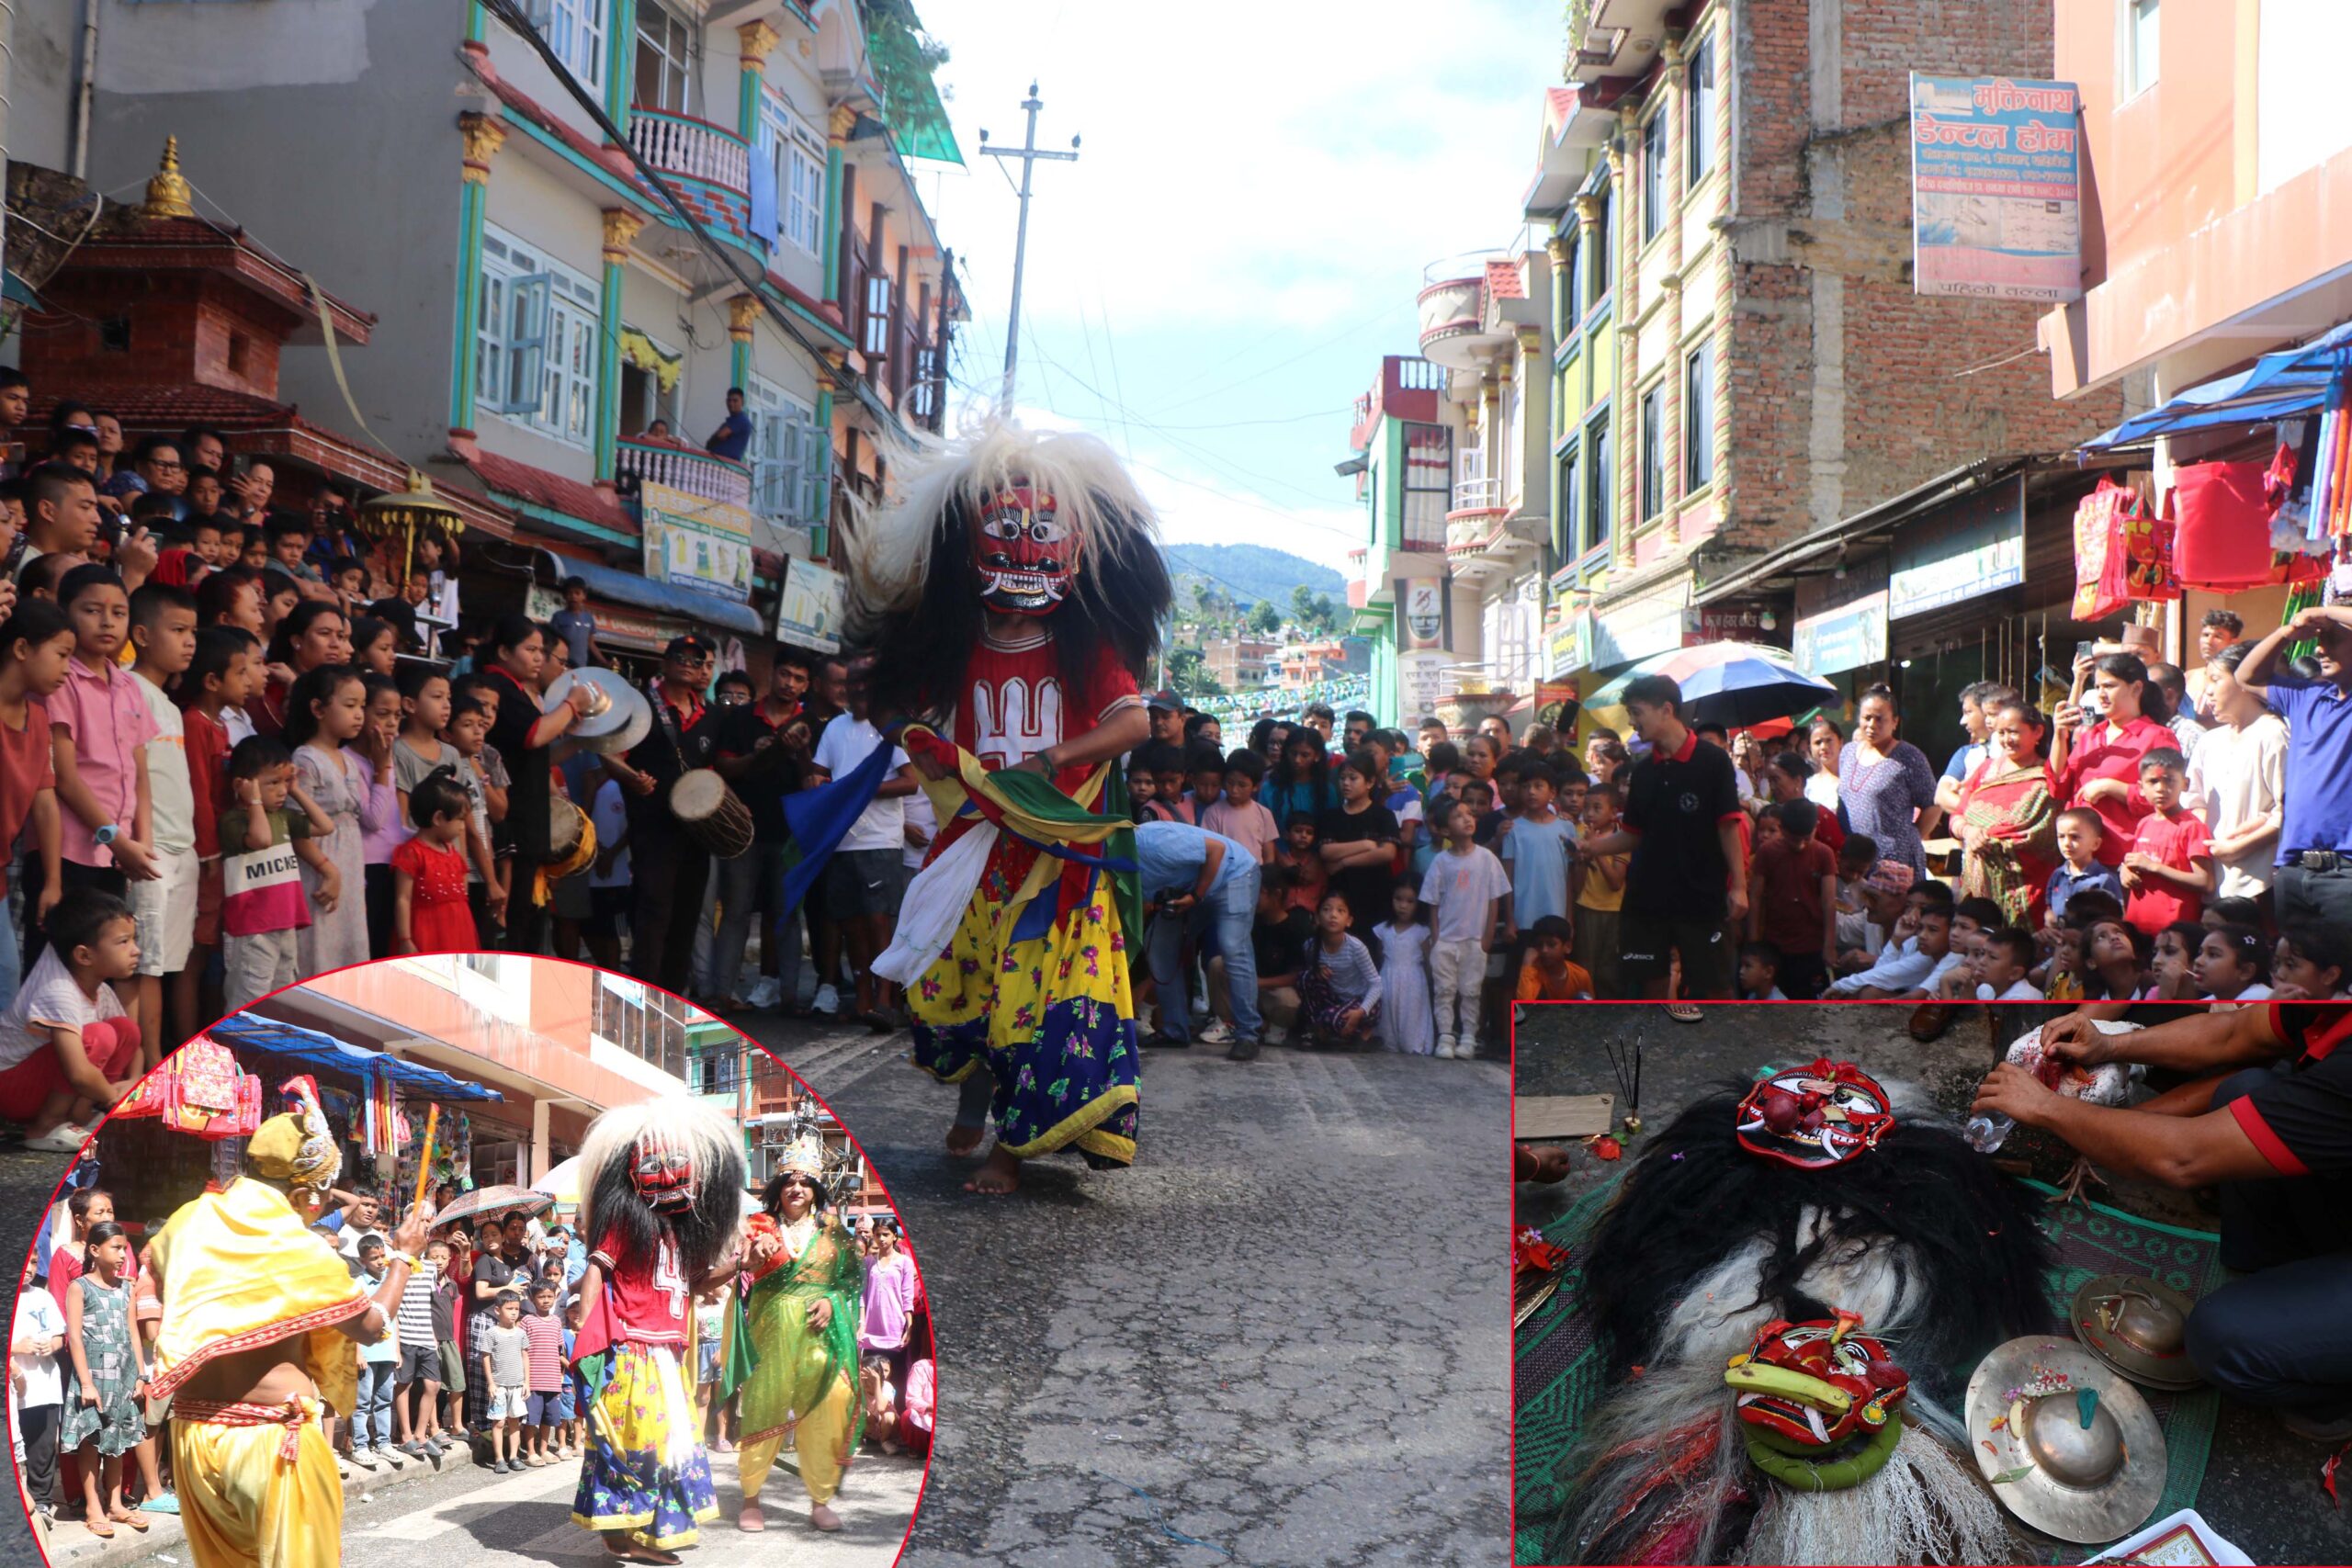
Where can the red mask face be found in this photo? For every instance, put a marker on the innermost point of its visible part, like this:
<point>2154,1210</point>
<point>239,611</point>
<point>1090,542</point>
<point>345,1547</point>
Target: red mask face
<point>1807,1387</point>
<point>1816,1116</point>
<point>663,1173</point>
<point>1027,558</point>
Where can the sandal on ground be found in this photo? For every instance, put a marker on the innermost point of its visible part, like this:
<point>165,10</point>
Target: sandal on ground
<point>134,1519</point>
<point>1685,1012</point>
<point>1929,1020</point>
<point>63,1139</point>
<point>98,1527</point>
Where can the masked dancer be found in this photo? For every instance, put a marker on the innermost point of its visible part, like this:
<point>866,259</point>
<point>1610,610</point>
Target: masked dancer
<point>1013,589</point>
<point>663,1206</point>
<point>254,1349</point>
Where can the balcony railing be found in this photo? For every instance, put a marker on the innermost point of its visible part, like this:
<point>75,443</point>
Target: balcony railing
<point>1483,494</point>
<point>687,469</point>
<point>678,145</point>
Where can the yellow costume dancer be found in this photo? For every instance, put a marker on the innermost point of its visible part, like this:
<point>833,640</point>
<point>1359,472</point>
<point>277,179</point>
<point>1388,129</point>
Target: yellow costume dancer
<point>240,1271</point>
<point>792,1340</point>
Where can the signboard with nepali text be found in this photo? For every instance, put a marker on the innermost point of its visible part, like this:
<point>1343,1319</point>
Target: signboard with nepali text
<point>814,604</point>
<point>1966,548</point>
<point>1996,188</point>
<point>1841,621</point>
<point>695,542</point>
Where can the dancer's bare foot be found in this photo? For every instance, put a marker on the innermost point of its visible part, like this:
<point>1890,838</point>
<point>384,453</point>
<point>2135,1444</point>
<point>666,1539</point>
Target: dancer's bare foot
<point>963,1140</point>
<point>824,1518</point>
<point>752,1518</point>
<point>1001,1174</point>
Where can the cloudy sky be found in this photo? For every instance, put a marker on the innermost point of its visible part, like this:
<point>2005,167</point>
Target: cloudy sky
<point>1214,281</point>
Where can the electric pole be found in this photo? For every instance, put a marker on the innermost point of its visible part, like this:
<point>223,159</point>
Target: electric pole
<point>1028,152</point>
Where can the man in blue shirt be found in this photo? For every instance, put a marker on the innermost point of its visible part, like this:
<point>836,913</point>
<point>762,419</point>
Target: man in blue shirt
<point>2313,888</point>
<point>1197,882</point>
<point>733,437</point>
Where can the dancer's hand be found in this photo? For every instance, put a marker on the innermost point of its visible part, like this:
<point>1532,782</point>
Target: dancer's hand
<point>821,1313</point>
<point>410,1236</point>
<point>2014,1093</point>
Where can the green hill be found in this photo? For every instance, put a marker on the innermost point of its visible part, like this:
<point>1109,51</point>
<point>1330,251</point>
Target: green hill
<point>1249,572</point>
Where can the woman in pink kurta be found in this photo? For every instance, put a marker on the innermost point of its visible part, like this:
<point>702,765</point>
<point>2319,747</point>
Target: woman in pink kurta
<point>2095,760</point>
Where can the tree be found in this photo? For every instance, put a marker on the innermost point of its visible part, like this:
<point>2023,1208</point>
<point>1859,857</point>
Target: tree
<point>1302,605</point>
<point>1190,675</point>
<point>1325,615</point>
<point>1264,618</point>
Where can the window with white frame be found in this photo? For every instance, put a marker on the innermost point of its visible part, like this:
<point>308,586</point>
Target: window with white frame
<point>1699,418</point>
<point>790,454</point>
<point>575,30</point>
<point>536,358</point>
<point>798,155</point>
<point>1654,170</point>
<point>1705,108</point>
<point>666,51</point>
<point>1649,496</point>
<point>2140,38</point>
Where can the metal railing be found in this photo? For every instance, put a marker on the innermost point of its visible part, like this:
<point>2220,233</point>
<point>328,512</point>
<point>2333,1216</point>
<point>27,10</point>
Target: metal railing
<point>699,474</point>
<point>679,144</point>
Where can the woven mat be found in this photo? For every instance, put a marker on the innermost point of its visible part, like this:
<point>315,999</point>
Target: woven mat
<point>1557,1370</point>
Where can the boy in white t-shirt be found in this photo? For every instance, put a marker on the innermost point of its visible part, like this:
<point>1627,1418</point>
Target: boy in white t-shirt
<point>38,1383</point>
<point>162,631</point>
<point>1466,885</point>
<point>867,872</point>
<point>2004,959</point>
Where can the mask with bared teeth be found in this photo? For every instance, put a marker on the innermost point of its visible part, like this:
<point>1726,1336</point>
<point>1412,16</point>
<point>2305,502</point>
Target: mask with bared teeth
<point>1815,1116</point>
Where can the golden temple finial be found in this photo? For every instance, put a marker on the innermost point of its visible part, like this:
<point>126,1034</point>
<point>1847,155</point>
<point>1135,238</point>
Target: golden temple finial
<point>168,193</point>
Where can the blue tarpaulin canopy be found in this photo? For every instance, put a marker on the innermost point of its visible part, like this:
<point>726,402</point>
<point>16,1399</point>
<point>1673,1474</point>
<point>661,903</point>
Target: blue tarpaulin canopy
<point>325,1051</point>
<point>2291,382</point>
<point>628,588</point>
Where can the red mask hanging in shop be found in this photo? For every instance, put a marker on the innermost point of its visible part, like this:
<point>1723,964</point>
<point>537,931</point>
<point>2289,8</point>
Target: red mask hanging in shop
<point>1027,557</point>
<point>1806,1387</point>
<point>1815,1116</point>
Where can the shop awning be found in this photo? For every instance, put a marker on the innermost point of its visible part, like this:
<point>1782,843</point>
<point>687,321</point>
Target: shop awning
<point>2284,385</point>
<point>628,588</point>
<point>319,1050</point>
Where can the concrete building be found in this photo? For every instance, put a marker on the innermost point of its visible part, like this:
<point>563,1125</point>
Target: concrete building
<point>1402,469</point>
<point>1740,360</point>
<point>2217,144</point>
<point>1239,663</point>
<point>567,290</point>
<point>559,1041</point>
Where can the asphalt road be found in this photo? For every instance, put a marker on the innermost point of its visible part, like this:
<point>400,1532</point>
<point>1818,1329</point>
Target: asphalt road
<point>2262,1485</point>
<point>1280,1337</point>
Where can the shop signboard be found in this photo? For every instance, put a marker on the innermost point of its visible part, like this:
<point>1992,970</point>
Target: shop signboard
<point>1735,620</point>
<point>810,612</point>
<point>703,545</point>
<point>1567,644</point>
<point>1995,188</point>
<point>1841,620</point>
<point>1961,550</point>
<point>1421,601</point>
<point>1420,682</point>
<point>1638,633</point>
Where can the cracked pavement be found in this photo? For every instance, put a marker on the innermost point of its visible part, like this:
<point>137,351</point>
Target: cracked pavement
<point>1280,1338</point>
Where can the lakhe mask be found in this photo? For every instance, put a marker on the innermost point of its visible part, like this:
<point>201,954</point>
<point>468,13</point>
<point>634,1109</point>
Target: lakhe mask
<point>1027,557</point>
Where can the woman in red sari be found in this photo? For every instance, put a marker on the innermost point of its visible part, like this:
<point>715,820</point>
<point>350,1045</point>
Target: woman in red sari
<point>2008,817</point>
<point>2095,760</point>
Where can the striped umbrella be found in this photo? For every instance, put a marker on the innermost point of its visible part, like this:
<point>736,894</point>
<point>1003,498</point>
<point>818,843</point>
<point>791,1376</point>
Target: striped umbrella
<point>1731,683</point>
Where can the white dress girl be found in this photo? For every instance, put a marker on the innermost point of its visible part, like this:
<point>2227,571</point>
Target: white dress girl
<point>1406,1020</point>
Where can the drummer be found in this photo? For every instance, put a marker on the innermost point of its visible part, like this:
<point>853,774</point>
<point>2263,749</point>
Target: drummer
<point>2267,1115</point>
<point>516,648</point>
<point>665,907</point>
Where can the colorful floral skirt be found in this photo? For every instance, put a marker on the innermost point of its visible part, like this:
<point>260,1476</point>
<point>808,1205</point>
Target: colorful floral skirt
<point>645,1471</point>
<point>1048,1013</point>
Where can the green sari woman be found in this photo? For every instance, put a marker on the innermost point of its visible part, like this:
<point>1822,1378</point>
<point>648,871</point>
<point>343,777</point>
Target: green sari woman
<point>792,1348</point>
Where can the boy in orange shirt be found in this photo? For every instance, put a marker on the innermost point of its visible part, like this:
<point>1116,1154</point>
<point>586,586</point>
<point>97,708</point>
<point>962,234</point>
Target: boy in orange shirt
<point>1547,974</point>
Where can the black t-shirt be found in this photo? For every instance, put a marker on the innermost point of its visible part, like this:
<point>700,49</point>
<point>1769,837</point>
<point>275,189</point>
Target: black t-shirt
<point>529,794</point>
<point>2301,1117</point>
<point>1677,805</point>
<point>1366,888</point>
<point>664,760</point>
<point>1277,943</point>
<point>738,731</point>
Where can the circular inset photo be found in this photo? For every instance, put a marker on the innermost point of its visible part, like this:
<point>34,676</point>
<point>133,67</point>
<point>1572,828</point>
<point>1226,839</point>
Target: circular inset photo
<point>484,1255</point>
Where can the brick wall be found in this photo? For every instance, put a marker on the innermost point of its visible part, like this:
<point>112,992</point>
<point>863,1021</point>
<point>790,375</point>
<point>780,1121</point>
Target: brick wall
<point>180,330</point>
<point>1844,386</point>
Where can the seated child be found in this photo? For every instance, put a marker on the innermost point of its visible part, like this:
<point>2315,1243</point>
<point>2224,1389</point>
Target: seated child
<point>1759,972</point>
<point>1338,984</point>
<point>2233,966</point>
<point>67,1049</point>
<point>2172,963</point>
<point>2004,961</point>
<point>2309,965</point>
<point>1546,973</point>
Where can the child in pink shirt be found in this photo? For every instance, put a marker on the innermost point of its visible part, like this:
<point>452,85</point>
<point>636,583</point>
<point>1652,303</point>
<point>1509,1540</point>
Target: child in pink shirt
<point>1240,815</point>
<point>99,725</point>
